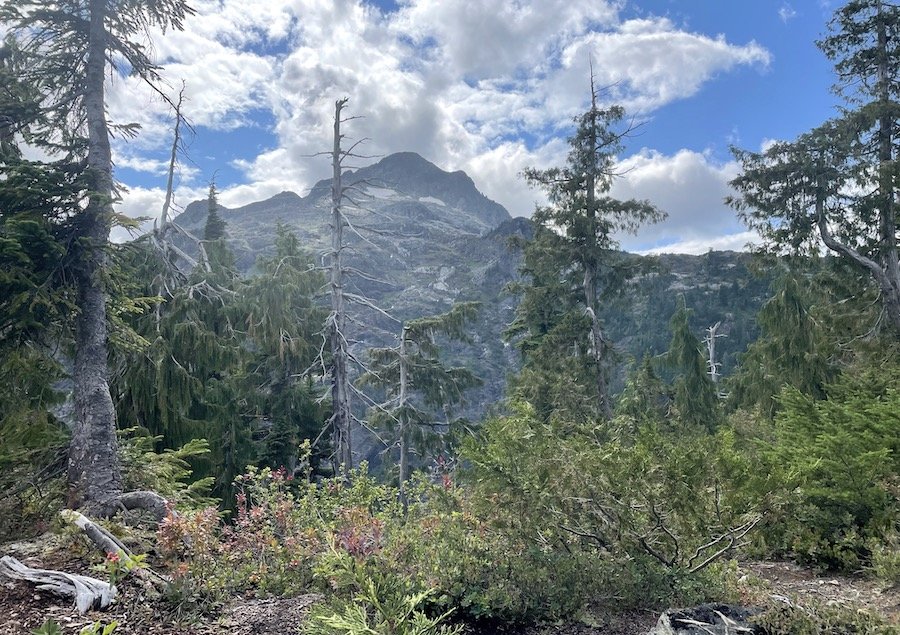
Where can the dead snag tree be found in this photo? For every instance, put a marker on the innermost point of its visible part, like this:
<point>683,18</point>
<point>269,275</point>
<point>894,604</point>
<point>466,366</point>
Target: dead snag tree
<point>342,415</point>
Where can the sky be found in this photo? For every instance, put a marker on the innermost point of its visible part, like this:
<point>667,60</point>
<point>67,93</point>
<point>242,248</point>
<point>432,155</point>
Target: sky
<point>485,86</point>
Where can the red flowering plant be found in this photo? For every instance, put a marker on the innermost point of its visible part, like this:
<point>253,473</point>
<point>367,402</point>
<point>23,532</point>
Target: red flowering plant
<point>117,565</point>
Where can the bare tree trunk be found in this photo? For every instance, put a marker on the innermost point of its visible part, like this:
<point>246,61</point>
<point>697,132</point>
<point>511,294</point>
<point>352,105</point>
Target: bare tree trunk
<point>404,441</point>
<point>94,473</point>
<point>342,416</point>
<point>711,335</point>
<point>599,344</point>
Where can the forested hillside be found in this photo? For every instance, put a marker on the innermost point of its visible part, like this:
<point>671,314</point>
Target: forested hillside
<point>386,407</point>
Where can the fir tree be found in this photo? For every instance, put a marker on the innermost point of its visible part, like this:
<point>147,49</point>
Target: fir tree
<point>572,260</point>
<point>837,183</point>
<point>215,225</point>
<point>283,327</point>
<point>418,383</point>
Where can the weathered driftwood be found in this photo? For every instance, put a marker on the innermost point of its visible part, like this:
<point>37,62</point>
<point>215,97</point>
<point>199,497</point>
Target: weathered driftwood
<point>87,592</point>
<point>108,543</point>
<point>105,541</point>
<point>707,619</point>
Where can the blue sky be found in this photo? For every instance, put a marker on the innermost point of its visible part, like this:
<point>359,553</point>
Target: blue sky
<point>487,86</point>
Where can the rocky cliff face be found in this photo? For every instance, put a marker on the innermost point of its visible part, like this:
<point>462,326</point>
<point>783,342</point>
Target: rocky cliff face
<point>428,236</point>
<point>432,239</point>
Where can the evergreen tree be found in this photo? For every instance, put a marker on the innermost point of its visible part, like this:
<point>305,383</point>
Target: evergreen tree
<point>183,385</point>
<point>68,47</point>
<point>792,350</point>
<point>646,398</point>
<point>696,400</point>
<point>283,329</point>
<point>418,383</point>
<point>572,260</point>
<point>229,361</point>
<point>837,183</point>
<point>215,225</point>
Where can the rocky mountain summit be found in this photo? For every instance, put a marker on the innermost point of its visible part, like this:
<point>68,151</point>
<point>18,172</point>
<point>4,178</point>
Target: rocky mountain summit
<point>429,238</point>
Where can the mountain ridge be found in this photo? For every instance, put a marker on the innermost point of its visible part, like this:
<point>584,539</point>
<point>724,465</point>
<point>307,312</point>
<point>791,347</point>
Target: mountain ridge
<point>435,239</point>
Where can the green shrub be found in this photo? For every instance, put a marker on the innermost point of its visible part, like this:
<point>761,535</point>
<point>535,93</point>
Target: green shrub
<point>885,558</point>
<point>371,601</point>
<point>833,462</point>
<point>624,507</point>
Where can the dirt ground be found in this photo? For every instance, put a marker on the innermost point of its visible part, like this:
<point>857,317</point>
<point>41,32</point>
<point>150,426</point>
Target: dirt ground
<point>23,609</point>
<point>803,586</point>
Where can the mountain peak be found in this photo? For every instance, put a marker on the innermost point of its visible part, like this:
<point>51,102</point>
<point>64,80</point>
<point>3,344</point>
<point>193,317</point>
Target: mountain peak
<point>414,175</point>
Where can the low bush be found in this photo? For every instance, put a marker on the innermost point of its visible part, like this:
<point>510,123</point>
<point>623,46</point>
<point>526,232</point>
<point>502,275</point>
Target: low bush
<point>828,470</point>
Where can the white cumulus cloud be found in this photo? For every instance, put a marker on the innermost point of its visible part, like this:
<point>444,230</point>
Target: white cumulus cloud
<point>486,86</point>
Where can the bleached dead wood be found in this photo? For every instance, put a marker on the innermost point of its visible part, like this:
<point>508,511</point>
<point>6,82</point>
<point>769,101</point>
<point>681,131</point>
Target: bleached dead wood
<point>87,592</point>
<point>108,543</point>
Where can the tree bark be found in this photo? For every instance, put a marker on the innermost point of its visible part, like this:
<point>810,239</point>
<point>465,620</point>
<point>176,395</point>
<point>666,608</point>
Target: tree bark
<point>886,168</point>
<point>94,473</point>
<point>711,335</point>
<point>341,417</point>
<point>404,432</point>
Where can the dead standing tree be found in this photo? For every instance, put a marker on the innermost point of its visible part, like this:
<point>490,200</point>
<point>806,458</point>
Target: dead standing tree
<point>342,415</point>
<point>712,333</point>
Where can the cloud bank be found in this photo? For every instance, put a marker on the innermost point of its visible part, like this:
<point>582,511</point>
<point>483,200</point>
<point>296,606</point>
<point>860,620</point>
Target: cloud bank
<point>479,85</point>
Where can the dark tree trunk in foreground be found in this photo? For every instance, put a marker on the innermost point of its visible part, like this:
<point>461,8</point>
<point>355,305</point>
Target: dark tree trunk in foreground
<point>94,473</point>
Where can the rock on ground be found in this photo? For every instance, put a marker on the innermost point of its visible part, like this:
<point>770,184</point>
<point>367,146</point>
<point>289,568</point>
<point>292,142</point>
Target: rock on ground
<point>706,619</point>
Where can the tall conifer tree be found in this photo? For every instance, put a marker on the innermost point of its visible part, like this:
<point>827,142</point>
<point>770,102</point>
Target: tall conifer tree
<point>838,183</point>
<point>418,382</point>
<point>71,47</point>
<point>573,254</point>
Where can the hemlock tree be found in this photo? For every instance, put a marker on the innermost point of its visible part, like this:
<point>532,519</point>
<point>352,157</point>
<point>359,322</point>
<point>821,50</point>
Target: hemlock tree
<point>575,251</point>
<point>791,351</point>
<point>71,46</point>
<point>229,360</point>
<point>838,183</point>
<point>418,382</point>
<point>696,399</point>
<point>283,322</point>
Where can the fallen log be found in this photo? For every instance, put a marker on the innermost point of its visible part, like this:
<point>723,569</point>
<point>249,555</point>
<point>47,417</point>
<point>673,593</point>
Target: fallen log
<point>108,543</point>
<point>87,592</point>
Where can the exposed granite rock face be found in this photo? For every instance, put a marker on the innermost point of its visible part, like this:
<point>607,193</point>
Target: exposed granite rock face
<point>707,619</point>
<point>432,239</point>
